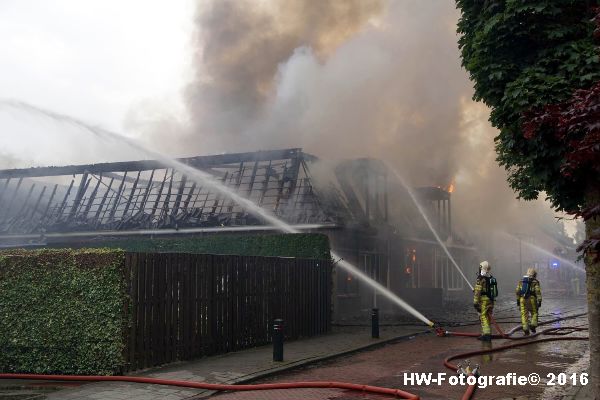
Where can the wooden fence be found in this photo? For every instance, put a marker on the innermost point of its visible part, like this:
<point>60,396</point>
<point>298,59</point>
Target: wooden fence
<point>190,305</point>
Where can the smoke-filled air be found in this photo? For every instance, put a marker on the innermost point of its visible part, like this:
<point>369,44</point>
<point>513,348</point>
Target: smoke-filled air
<point>349,79</point>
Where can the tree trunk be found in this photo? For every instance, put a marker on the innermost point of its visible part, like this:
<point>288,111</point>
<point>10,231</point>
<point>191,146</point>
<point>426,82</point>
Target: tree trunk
<point>592,268</point>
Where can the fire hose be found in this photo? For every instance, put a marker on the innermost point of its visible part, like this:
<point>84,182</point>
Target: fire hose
<point>471,388</point>
<point>218,386</point>
<point>557,331</point>
<point>322,384</point>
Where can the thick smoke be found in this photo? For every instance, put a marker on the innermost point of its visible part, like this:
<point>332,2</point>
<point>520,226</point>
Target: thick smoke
<point>242,43</point>
<point>340,79</point>
<point>347,79</point>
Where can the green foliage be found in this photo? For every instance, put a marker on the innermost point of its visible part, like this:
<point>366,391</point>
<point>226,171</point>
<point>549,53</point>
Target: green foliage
<point>522,55</point>
<point>62,311</point>
<point>301,245</point>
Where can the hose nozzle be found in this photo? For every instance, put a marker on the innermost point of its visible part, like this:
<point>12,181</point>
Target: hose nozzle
<point>439,331</point>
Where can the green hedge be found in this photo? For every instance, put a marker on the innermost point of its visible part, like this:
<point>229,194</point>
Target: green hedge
<point>301,245</point>
<point>62,311</point>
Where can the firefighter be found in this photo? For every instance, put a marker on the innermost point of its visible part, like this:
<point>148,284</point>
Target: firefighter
<point>485,292</point>
<point>529,300</point>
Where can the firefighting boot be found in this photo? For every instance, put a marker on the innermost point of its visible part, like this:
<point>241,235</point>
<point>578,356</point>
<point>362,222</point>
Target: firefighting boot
<point>526,333</point>
<point>532,329</point>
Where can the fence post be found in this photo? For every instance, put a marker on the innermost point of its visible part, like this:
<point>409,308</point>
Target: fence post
<point>278,340</point>
<point>375,323</point>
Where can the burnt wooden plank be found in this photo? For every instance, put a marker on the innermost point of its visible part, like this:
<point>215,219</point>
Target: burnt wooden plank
<point>131,193</point>
<point>92,198</point>
<point>164,212</point>
<point>265,185</point>
<point>26,201</point>
<point>147,192</point>
<point>118,196</point>
<point>179,196</point>
<point>159,194</point>
<point>45,214</point>
<point>81,189</point>
<point>37,203</point>
<point>238,183</point>
<point>280,187</point>
<point>188,198</point>
<point>252,179</point>
<point>64,202</point>
<point>218,195</point>
<point>97,218</point>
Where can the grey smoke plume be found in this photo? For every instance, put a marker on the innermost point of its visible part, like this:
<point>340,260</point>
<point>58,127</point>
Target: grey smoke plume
<point>241,45</point>
<point>350,78</point>
<point>339,78</point>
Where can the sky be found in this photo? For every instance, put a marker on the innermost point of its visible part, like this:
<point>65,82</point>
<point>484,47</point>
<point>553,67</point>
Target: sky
<point>96,60</point>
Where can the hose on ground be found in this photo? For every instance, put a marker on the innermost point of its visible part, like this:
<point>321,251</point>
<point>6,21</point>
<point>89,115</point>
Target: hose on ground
<point>330,385</point>
<point>218,386</point>
<point>560,331</point>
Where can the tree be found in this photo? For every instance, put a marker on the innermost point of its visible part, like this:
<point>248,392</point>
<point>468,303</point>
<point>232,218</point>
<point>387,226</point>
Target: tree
<point>536,64</point>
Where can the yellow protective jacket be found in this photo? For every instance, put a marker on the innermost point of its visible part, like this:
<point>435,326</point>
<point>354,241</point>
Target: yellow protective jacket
<point>534,289</point>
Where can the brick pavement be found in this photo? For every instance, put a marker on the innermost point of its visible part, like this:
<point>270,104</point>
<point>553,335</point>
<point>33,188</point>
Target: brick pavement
<point>385,367</point>
<point>236,367</point>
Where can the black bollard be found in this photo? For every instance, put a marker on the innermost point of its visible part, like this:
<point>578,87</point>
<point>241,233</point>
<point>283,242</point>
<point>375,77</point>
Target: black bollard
<point>375,323</point>
<point>278,340</point>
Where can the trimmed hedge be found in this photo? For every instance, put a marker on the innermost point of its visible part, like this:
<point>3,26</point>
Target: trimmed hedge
<point>301,245</point>
<point>62,311</point>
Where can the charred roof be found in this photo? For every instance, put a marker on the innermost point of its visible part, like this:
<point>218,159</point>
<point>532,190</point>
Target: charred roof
<point>143,195</point>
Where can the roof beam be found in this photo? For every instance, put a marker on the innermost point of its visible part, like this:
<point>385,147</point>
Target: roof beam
<point>146,165</point>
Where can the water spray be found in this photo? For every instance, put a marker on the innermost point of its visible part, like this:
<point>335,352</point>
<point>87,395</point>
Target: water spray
<point>428,222</point>
<point>205,178</point>
<point>546,252</point>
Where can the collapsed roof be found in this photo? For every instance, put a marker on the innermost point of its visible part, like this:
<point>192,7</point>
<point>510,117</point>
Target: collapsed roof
<point>141,195</point>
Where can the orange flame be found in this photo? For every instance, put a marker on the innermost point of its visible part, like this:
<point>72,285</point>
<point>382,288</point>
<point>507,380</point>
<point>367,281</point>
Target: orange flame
<point>451,188</point>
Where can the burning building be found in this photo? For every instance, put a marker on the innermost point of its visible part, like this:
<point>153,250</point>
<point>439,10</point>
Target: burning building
<point>370,221</point>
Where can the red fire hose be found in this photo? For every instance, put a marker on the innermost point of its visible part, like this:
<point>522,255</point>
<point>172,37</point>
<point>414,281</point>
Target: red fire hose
<point>217,386</point>
<point>550,331</point>
<point>468,393</point>
<point>331,385</point>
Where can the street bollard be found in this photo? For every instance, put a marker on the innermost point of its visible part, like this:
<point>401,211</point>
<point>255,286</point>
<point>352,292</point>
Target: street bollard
<point>375,323</point>
<point>278,340</point>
